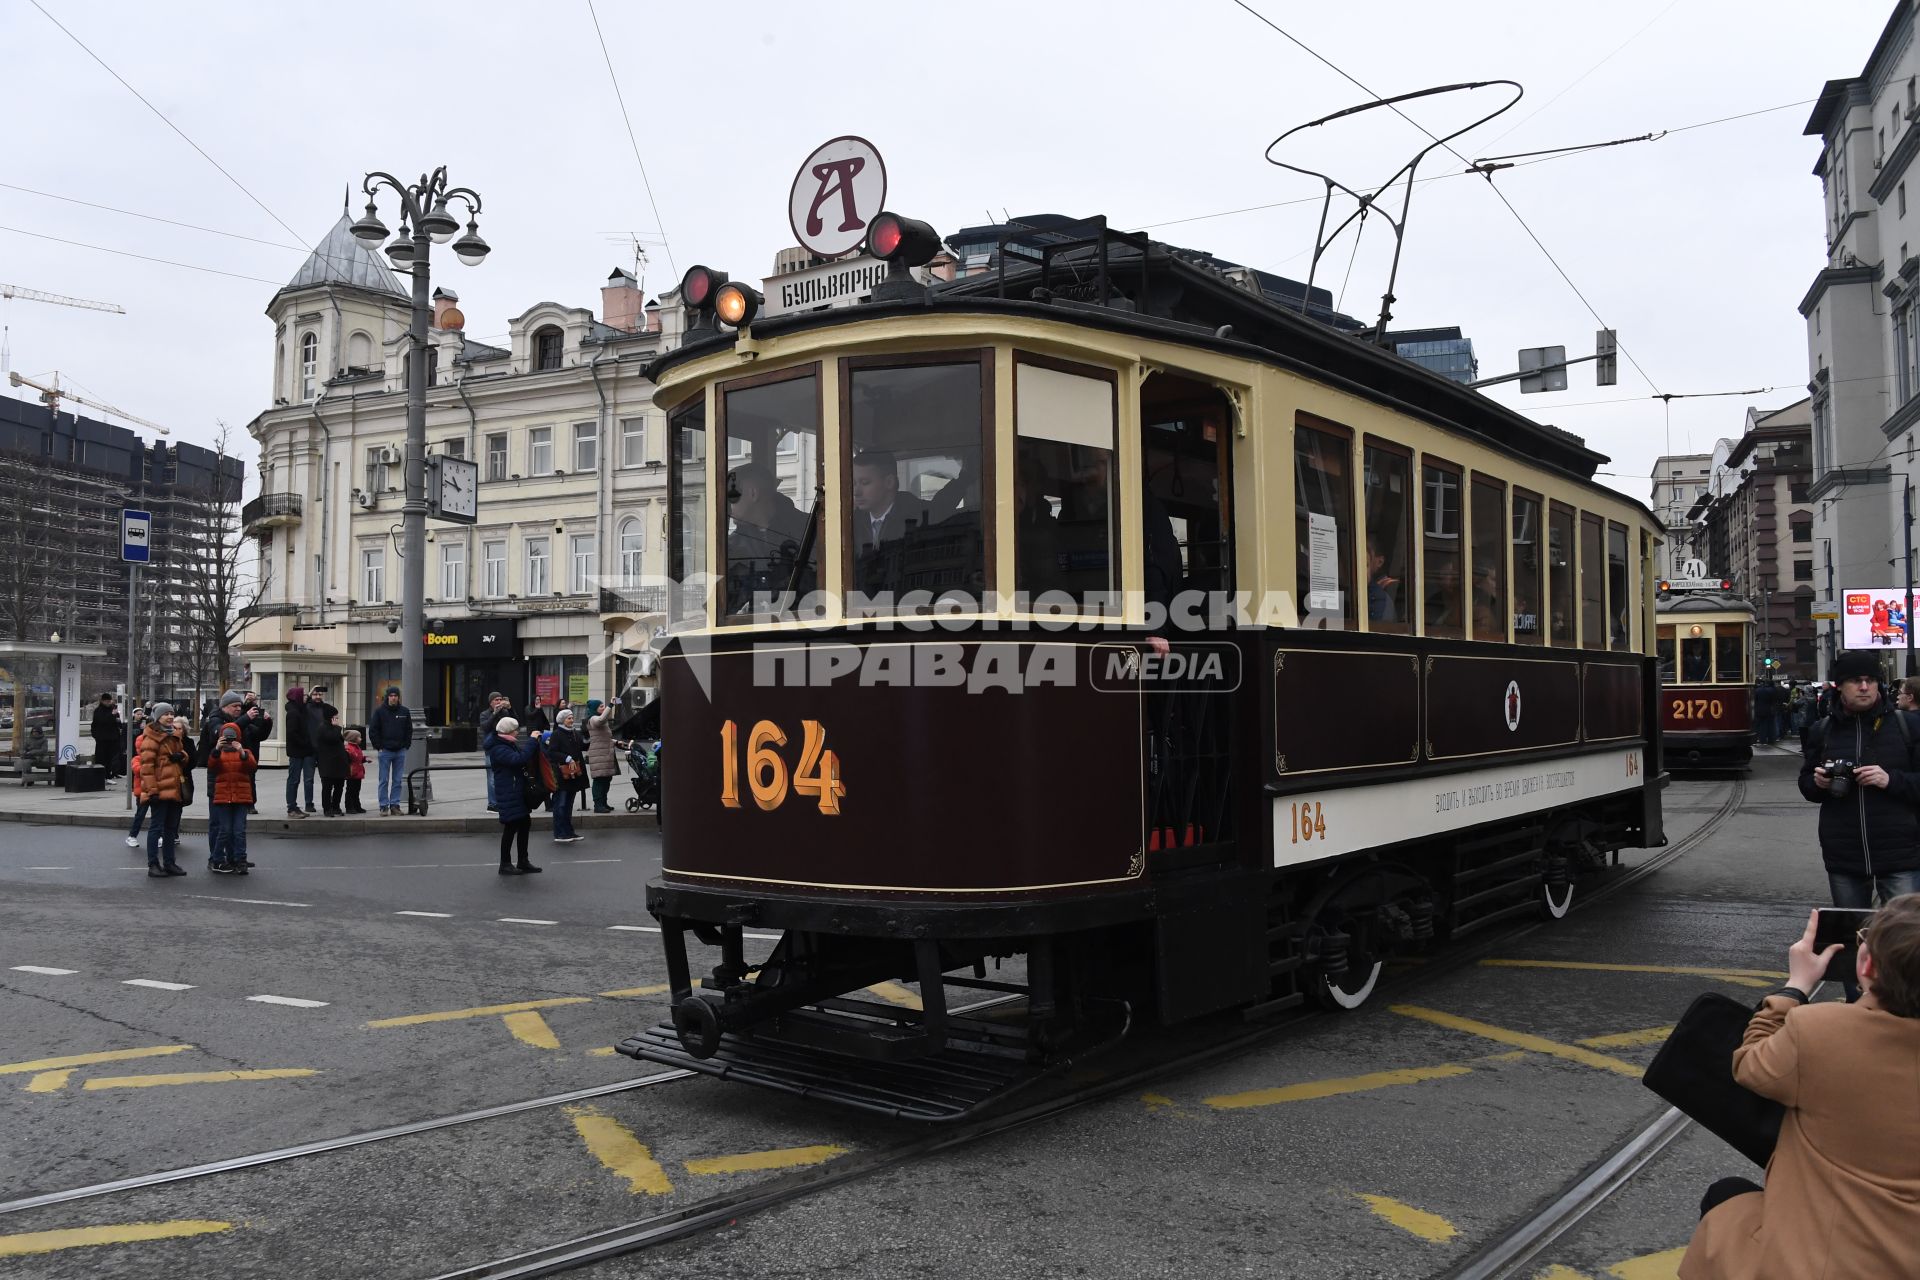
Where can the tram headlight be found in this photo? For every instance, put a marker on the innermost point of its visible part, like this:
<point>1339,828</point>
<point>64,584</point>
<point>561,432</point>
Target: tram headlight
<point>903,242</point>
<point>736,304</point>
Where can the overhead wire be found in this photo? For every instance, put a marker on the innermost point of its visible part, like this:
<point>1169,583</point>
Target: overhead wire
<point>1572,84</point>
<point>1541,245</point>
<point>124,253</point>
<point>633,139</point>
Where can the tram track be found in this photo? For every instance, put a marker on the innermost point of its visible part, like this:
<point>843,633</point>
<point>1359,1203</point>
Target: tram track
<point>691,1219</point>
<point>675,1224</point>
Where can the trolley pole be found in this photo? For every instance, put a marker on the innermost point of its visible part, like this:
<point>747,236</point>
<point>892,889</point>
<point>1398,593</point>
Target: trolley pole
<point>1906,535</point>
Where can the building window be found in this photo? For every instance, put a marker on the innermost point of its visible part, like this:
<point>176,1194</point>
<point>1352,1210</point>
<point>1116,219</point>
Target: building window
<point>1820,443</point>
<point>309,364</point>
<point>548,343</point>
<point>633,442</point>
<point>493,569</point>
<point>1797,491</point>
<point>540,451</point>
<point>373,576</point>
<point>497,455</point>
<point>1803,607</point>
<point>360,351</point>
<point>1901,191</point>
<point>454,448</point>
<point>1803,571</point>
<point>376,469</point>
<point>633,542</point>
<point>1803,532</point>
<point>581,559</point>
<point>586,446</point>
<point>539,577</point>
<point>453,571</point>
<point>738,449</point>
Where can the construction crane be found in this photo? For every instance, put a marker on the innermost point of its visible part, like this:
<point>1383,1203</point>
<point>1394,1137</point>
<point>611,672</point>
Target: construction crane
<point>51,396</point>
<point>34,295</point>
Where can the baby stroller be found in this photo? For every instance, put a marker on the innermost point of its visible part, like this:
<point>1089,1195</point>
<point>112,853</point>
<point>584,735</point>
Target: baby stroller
<point>643,758</point>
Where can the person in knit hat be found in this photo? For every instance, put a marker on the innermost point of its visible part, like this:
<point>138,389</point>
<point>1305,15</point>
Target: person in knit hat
<point>230,769</point>
<point>227,712</point>
<point>603,763</point>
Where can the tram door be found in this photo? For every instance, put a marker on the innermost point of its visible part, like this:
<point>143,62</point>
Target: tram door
<point>1187,532</point>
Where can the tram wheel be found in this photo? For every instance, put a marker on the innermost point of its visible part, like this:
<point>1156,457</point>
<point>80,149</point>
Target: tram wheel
<point>1348,990</point>
<point>1556,900</point>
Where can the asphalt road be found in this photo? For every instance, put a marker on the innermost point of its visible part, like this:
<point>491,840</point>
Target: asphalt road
<point>1389,1142</point>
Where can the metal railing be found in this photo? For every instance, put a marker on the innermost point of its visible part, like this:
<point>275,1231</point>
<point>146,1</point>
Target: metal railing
<point>272,506</point>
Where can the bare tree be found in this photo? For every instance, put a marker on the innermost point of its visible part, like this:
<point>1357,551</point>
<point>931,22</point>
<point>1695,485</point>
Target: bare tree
<point>24,581</point>
<point>213,572</point>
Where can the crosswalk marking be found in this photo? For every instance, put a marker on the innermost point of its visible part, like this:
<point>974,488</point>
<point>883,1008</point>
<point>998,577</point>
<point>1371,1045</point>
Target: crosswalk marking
<point>43,969</point>
<point>157,985</point>
<point>291,1001</point>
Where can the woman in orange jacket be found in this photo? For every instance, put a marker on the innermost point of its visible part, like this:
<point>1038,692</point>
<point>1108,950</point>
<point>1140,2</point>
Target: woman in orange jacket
<point>164,758</point>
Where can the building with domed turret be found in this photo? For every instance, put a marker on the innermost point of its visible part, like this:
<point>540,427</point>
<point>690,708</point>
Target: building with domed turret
<point>557,590</point>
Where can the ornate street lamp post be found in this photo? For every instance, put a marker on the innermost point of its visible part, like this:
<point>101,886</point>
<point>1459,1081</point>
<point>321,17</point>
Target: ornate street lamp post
<point>423,208</point>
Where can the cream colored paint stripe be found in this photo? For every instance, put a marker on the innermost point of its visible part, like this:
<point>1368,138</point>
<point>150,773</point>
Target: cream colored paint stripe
<point>34,1242</point>
<point>1521,1040</point>
<point>198,1077</point>
<point>88,1059</point>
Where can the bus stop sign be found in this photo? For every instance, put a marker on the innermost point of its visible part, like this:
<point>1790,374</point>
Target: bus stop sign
<point>136,535</point>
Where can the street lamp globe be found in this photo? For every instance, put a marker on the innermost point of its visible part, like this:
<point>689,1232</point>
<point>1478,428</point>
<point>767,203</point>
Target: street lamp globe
<point>438,223</point>
<point>470,248</point>
<point>401,250</point>
<point>370,228</point>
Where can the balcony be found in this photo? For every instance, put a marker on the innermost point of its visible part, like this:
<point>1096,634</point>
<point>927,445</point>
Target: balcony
<point>282,610</point>
<point>633,601</point>
<point>270,510</point>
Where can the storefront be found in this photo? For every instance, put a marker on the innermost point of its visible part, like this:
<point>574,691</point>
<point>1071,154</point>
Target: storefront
<point>465,661</point>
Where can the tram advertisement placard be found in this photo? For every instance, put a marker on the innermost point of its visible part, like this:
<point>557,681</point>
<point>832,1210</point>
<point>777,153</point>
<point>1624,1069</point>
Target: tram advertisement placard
<point>1874,617</point>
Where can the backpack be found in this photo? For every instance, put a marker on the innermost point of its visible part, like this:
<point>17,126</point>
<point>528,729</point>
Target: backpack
<point>1817,735</point>
<point>538,782</point>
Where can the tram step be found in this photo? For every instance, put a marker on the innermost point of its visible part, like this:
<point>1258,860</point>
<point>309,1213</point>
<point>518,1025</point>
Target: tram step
<point>943,1086</point>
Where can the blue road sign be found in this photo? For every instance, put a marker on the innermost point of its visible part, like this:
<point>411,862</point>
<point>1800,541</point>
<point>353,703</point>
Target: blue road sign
<point>136,535</point>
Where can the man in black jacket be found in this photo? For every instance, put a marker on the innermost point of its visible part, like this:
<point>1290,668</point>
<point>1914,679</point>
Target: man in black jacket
<point>497,705</point>
<point>303,713</point>
<point>1870,834</point>
<point>108,735</point>
<point>390,733</point>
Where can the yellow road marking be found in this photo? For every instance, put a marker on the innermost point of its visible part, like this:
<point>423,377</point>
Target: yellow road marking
<point>1329,1088</point>
<point>753,1161</point>
<point>50,1081</point>
<point>616,1147</point>
<point>529,1027</point>
<point>637,991</point>
<point>894,993</point>
<point>484,1011</point>
<point>197,1077</point>
<point>1157,1101</point>
<point>1627,1039</point>
<point>1744,977</point>
<point>125,1233</point>
<point>1520,1040</point>
<point>1428,1226</point>
<point>604,1051</point>
<point>1558,1272</point>
<point>1664,1265</point>
<point>88,1059</point>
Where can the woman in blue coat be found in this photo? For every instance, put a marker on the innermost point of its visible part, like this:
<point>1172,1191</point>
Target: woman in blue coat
<point>507,759</point>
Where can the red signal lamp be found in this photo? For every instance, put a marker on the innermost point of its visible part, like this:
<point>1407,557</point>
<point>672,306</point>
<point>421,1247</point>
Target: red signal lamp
<point>736,304</point>
<point>697,290</point>
<point>904,242</point>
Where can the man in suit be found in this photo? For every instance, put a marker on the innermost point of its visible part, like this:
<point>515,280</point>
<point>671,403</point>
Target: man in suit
<point>882,515</point>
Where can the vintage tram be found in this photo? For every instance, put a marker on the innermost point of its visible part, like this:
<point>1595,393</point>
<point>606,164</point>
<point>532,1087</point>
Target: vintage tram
<point>1704,646</point>
<point>1105,626</point>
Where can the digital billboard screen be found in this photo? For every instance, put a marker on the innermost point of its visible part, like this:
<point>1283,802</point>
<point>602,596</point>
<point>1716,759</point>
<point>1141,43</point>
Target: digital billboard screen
<point>1874,617</point>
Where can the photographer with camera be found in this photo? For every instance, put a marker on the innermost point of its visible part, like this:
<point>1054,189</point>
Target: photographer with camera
<point>1858,766</point>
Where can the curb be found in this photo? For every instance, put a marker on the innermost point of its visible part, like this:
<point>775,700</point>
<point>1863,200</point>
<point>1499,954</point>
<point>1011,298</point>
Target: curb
<point>307,828</point>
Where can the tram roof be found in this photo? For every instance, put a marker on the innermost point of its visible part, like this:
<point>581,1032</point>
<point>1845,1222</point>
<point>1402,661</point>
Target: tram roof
<point>1190,304</point>
<point>1703,602</point>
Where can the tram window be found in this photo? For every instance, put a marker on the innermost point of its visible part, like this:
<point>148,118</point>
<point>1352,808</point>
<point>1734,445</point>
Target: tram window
<point>1389,489</point>
<point>1526,570</point>
<point>772,431</point>
<point>1489,517</point>
<point>1696,659</point>
<point>1065,520</point>
<point>1323,526</point>
<point>914,526</point>
<point>687,505</point>
<point>1619,598</point>
<point>1560,575</point>
<point>1729,656</point>
<point>1663,651</point>
<point>1440,550</point>
<point>1593,586</point>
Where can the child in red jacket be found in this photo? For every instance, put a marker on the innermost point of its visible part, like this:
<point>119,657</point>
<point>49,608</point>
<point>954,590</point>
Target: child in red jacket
<point>356,770</point>
<point>230,769</point>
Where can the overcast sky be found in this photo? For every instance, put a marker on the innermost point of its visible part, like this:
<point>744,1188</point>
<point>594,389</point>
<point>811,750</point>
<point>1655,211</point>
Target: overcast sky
<point>1696,248</point>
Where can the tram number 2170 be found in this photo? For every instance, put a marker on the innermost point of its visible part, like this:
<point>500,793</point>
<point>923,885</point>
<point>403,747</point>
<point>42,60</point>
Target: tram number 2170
<point>1697,709</point>
<point>817,775</point>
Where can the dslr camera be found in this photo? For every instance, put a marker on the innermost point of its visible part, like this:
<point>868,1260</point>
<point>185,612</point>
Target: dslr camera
<point>1839,778</point>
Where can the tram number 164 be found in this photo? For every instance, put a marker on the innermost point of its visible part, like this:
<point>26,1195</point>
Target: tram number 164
<point>1308,823</point>
<point>1697,709</point>
<point>818,774</point>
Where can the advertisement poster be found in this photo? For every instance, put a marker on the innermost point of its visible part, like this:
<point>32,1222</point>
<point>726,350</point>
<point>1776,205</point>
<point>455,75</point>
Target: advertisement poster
<point>1873,617</point>
<point>546,691</point>
<point>577,688</point>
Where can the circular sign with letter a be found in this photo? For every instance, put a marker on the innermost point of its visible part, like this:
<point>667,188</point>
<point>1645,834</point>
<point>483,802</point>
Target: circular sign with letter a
<point>839,189</point>
<point>1511,705</point>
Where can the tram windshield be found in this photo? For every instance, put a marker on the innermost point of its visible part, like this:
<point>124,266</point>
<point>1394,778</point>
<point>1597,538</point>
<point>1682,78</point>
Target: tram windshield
<point>772,432</point>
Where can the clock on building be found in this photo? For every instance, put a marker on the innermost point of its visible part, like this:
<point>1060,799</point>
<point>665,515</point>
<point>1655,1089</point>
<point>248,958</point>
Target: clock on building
<point>453,489</point>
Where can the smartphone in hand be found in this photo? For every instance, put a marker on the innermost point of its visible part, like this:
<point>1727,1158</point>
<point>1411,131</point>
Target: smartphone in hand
<point>1841,925</point>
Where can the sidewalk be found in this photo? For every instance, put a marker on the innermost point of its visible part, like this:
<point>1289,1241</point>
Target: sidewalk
<point>459,806</point>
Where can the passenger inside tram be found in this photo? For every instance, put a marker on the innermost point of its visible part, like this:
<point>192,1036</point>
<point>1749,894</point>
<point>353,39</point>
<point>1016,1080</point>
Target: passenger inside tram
<point>769,551</point>
<point>1696,660</point>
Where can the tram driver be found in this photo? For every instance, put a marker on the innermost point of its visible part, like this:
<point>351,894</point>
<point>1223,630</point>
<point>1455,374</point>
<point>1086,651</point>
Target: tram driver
<point>883,517</point>
<point>766,541</point>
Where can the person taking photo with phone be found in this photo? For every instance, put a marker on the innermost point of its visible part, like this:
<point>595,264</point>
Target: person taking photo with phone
<point>1843,1187</point>
<point>1858,766</point>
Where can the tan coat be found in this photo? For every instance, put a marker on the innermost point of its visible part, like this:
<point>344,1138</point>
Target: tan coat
<point>601,760</point>
<point>161,775</point>
<point>1843,1188</point>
